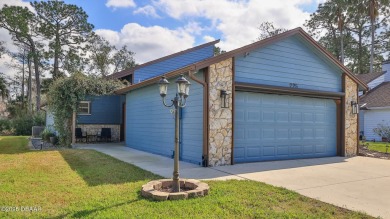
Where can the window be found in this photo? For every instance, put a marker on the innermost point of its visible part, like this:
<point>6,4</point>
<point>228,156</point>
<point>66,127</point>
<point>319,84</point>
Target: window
<point>84,108</point>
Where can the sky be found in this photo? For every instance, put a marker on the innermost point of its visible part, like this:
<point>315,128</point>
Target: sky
<point>156,28</point>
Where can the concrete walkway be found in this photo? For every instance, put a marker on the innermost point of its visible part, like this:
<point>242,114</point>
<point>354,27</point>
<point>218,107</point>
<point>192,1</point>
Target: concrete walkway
<point>358,183</point>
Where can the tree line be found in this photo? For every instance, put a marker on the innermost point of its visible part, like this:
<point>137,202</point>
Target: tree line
<point>54,38</point>
<point>357,32</point>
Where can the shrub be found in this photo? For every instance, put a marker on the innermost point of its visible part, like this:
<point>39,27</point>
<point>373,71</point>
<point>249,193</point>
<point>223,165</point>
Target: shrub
<point>383,131</point>
<point>5,127</point>
<point>4,124</point>
<point>46,134</point>
<point>23,123</point>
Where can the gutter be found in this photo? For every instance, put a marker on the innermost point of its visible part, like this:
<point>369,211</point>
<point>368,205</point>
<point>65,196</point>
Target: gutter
<point>376,108</point>
<point>205,154</point>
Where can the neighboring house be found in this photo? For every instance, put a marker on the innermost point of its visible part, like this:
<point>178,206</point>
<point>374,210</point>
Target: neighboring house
<point>375,104</point>
<point>289,99</point>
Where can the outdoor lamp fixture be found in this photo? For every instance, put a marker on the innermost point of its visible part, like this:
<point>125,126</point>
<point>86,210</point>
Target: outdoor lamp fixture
<point>183,88</point>
<point>355,107</point>
<point>224,99</point>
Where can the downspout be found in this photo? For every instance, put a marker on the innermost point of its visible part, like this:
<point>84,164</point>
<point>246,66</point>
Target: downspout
<point>204,83</point>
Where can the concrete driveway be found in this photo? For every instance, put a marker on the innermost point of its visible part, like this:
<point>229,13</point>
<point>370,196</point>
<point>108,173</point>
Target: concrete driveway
<point>358,183</point>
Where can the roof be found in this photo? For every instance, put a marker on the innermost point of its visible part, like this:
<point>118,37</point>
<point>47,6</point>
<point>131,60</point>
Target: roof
<point>367,78</point>
<point>131,70</point>
<point>243,50</point>
<point>377,97</point>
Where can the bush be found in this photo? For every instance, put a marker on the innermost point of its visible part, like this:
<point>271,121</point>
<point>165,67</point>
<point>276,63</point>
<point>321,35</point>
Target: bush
<point>5,127</point>
<point>46,134</point>
<point>4,124</point>
<point>383,131</point>
<point>23,123</point>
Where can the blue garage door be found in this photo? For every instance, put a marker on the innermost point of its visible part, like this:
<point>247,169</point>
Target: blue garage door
<point>279,127</point>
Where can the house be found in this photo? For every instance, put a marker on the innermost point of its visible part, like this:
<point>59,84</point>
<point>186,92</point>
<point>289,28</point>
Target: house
<point>95,113</point>
<point>288,98</point>
<point>375,104</point>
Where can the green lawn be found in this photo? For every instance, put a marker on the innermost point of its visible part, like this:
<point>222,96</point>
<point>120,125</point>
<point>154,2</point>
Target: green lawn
<point>378,146</point>
<point>85,183</point>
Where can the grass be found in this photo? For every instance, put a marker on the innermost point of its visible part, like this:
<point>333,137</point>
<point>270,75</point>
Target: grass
<point>88,184</point>
<point>378,146</point>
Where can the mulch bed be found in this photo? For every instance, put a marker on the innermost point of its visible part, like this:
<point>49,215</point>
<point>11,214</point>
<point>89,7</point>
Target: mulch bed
<point>364,151</point>
<point>170,189</point>
<point>38,144</point>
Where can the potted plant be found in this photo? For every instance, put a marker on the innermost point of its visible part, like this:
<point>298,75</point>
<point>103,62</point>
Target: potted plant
<point>383,131</point>
<point>47,135</point>
<point>53,139</point>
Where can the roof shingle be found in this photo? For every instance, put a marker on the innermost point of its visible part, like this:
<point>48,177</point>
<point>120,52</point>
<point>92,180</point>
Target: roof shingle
<point>377,97</point>
<point>367,78</point>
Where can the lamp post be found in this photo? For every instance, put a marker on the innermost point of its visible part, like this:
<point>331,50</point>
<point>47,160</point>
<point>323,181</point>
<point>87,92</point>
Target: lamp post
<point>179,101</point>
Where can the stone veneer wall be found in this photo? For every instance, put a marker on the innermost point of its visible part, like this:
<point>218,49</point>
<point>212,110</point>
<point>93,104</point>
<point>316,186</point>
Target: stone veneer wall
<point>94,129</point>
<point>220,119</point>
<point>351,124</point>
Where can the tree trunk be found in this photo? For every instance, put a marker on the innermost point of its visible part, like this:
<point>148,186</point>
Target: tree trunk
<point>334,36</point>
<point>342,46</point>
<point>37,76</point>
<point>24,58</point>
<point>372,46</point>
<point>29,85</point>
<point>360,53</point>
<point>38,82</point>
<point>56,54</point>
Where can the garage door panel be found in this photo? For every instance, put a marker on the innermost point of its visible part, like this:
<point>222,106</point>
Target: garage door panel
<point>239,152</point>
<point>268,116</point>
<point>283,150</point>
<point>253,115</point>
<point>295,149</point>
<point>282,117</point>
<point>253,151</point>
<point>302,128</point>
<point>282,134</point>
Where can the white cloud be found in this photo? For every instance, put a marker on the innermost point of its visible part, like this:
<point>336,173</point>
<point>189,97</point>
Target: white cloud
<point>149,42</point>
<point>120,3</point>
<point>208,38</point>
<point>16,3</point>
<point>147,10</point>
<point>193,28</point>
<point>238,20</point>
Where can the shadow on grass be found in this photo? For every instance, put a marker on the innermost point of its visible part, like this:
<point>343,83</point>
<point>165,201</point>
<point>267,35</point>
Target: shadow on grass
<point>99,169</point>
<point>85,213</point>
<point>13,144</point>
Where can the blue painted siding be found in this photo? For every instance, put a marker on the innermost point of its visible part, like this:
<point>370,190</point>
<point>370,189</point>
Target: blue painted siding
<point>278,127</point>
<point>104,110</point>
<point>173,63</point>
<point>122,101</point>
<point>287,61</point>
<point>371,120</point>
<point>50,120</point>
<point>150,125</point>
<point>361,122</point>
